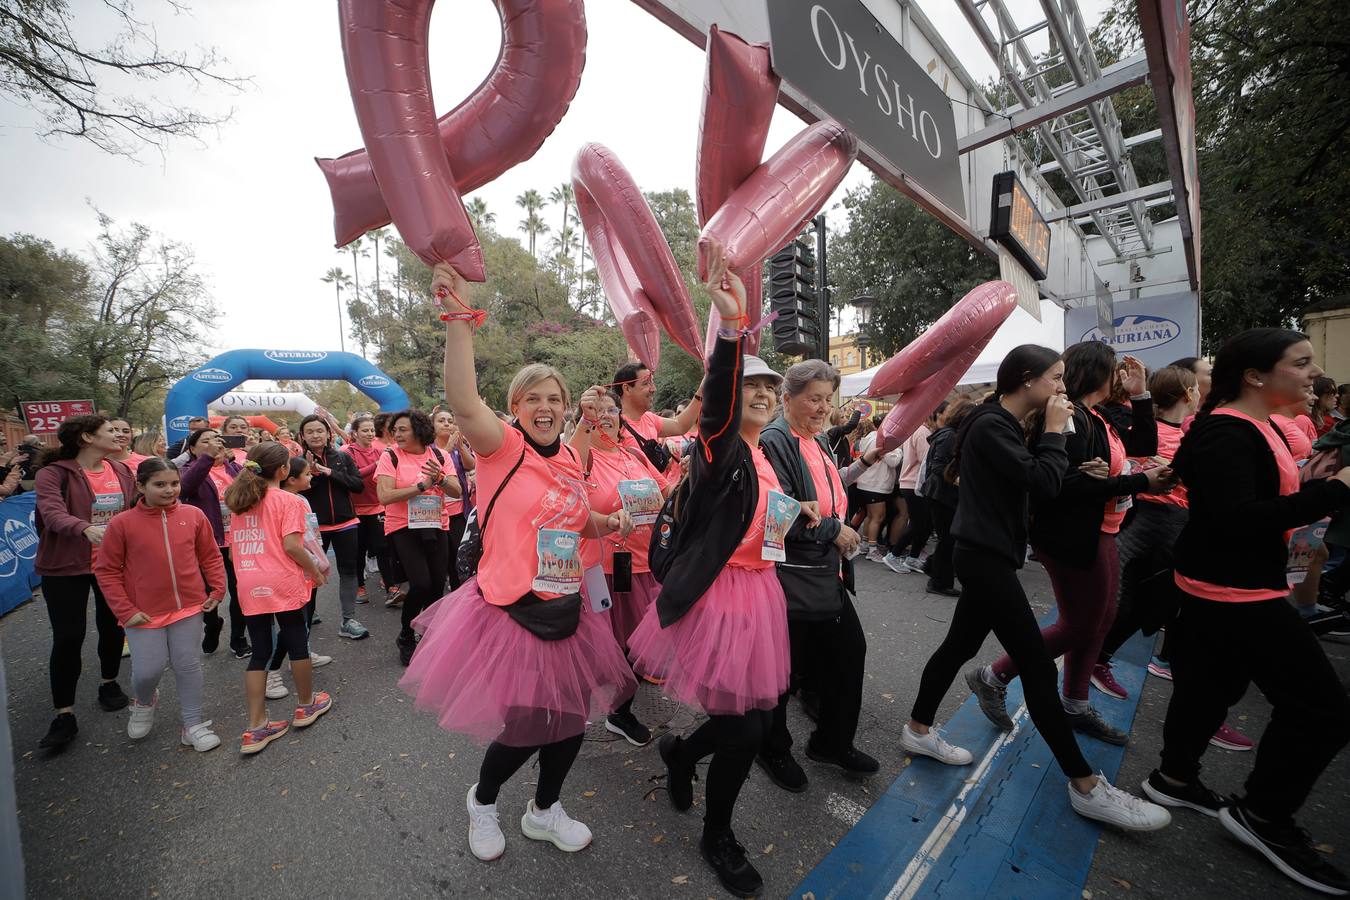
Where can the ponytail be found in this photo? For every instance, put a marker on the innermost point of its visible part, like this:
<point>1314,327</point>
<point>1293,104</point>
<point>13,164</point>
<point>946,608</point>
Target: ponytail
<point>261,466</point>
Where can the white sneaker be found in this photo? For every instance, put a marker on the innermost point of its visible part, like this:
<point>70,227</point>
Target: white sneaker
<point>932,744</point>
<point>486,840</point>
<point>318,660</point>
<point>914,563</point>
<point>895,564</point>
<point>142,719</point>
<point>556,826</point>
<point>276,688</point>
<point>1116,807</point>
<point>875,555</point>
<point>200,737</point>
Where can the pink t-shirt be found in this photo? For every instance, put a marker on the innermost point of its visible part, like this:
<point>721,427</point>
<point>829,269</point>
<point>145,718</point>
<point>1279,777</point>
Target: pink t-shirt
<point>133,461</point>
<point>269,580</point>
<point>608,468</point>
<point>1169,439</point>
<point>829,489</point>
<point>1300,432</point>
<point>108,499</point>
<point>221,479</point>
<point>453,505</point>
<point>749,552</point>
<point>545,493</point>
<point>1284,461</point>
<point>913,451</point>
<point>409,472</point>
<point>1116,507</point>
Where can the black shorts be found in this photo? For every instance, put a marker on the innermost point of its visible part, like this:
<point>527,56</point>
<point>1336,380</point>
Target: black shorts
<point>868,497</point>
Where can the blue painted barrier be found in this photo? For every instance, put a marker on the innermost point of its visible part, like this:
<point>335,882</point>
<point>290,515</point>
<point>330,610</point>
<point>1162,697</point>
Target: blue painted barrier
<point>18,549</point>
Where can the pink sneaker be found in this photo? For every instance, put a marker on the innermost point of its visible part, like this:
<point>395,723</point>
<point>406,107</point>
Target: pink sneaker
<point>1160,669</point>
<point>1104,681</point>
<point>1229,738</point>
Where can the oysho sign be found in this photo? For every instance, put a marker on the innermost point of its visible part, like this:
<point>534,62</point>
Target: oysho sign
<point>295,357</point>
<point>840,57</point>
<point>238,400</point>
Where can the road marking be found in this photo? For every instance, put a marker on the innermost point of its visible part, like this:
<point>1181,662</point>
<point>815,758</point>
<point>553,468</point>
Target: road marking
<point>844,809</point>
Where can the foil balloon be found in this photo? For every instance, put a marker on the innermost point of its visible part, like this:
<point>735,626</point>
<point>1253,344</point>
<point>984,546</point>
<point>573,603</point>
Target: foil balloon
<point>640,265</point>
<point>629,302</point>
<point>499,126</point>
<point>929,368</point>
<point>740,92</point>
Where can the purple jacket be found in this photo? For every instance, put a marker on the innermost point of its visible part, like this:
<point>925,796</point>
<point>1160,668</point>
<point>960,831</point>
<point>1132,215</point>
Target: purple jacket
<point>65,503</point>
<point>199,490</point>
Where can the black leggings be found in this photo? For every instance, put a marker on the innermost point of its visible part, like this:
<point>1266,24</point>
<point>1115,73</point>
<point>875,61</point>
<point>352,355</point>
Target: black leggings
<point>293,636</point>
<point>834,652</point>
<point>733,742</point>
<point>424,554</point>
<point>212,619</point>
<point>67,598</point>
<point>501,761</point>
<point>940,571</point>
<point>1148,594</point>
<point>914,535</point>
<point>992,599</point>
<point>454,536</point>
<point>370,541</point>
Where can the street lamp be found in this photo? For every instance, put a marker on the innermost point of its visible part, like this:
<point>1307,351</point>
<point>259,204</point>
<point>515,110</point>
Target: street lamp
<point>864,304</point>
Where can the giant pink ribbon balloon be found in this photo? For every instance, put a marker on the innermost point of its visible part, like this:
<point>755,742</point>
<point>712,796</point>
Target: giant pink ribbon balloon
<point>740,91</point>
<point>634,261</point>
<point>499,126</point>
<point>929,368</point>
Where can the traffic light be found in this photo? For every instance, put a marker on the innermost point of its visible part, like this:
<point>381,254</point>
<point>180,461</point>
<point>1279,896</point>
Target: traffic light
<point>792,294</point>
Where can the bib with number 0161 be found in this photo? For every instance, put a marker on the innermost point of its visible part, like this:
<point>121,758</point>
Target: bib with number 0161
<point>424,511</point>
<point>779,514</point>
<point>105,507</point>
<point>641,497</point>
<point>559,569</point>
<point>225,515</point>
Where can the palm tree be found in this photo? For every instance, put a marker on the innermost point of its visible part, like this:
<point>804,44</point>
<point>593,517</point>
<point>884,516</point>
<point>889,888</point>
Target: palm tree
<point>478,213</point>
<point>532,224</point>
<point>358,250</point>
<point>338,279</point>
<point>561,248</point>
<point>581,257</point>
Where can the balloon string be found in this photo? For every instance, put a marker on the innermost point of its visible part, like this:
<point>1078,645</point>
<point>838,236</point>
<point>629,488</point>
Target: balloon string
<point>735,375</point>
<point>475,317</point>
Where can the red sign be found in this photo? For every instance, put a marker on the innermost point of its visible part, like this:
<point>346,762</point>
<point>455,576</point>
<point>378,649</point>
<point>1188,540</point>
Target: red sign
<point>45,416</point>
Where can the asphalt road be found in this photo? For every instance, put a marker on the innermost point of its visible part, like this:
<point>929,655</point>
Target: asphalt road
<point>370,801</point>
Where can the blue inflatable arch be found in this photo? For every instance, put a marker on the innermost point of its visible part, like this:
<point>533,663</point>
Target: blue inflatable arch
<point>190,396</point>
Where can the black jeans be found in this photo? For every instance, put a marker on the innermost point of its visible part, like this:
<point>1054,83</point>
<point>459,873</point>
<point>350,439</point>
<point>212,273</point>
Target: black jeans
<point>370,541</point>
<point>914,536</point>
<point>1217,649</point>
<point>1147,593</point>
<point>733,742</point>
<point>425,556</point>
<point>992,599</point>
<point>834,652</point>
<point>940,567</point>
<point>67,599</point>
<point>501,761</point>
<point>212,619</point>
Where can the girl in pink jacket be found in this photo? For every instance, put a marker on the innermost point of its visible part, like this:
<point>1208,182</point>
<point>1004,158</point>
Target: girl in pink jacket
<point>159,568</point>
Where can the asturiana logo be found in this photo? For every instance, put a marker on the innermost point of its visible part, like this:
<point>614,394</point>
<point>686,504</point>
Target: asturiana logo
<point>374,381</point>
<point>22,539</point>
<point>180,422</point>
<point>1137,332</point>
<point>212,376</point>
<point>295,357</point>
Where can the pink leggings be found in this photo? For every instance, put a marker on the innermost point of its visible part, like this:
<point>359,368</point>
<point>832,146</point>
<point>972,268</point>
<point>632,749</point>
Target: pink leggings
<point>1087,604</point>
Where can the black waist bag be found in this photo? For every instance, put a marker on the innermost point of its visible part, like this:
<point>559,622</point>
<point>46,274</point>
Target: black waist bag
<point>548,620</point>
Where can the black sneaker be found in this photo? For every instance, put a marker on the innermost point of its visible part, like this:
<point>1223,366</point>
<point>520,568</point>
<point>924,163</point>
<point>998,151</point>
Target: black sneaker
<point>406,644</point>
<point>1331,623</point>
<point>727,858</point>
<point>211,634</point>
<point>1092,724</point>
<point>627,726</point>
<point>783,771</point>
<point>1190,796</point>
<point>679,778</point>
<point>993,699</point>
<point>1288,848</point>
<point>851,760</point>
<point>61,732</point>
<point>948,591</point>
<point>111,698</point>
<point>240,648</point>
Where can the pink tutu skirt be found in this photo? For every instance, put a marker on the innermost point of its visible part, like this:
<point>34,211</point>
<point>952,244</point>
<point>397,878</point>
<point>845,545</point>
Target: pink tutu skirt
<point>729,653</point>
<point>630,606</point>
<point>484,676</point>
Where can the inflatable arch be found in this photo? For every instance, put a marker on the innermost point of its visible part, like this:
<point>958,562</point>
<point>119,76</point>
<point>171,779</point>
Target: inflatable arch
<point>190,396</point>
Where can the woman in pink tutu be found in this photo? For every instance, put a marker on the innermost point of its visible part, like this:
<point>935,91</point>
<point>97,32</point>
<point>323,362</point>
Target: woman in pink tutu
<point>620,477</point>
<point>508,658</point>
<point>718,630</point>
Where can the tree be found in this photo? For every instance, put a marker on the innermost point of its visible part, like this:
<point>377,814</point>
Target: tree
<point>565,195</point>
<point>43,294</point>
<point>73,88</point>
<point>533,224</point>
<point>338,279</point>
<point>479,215</point>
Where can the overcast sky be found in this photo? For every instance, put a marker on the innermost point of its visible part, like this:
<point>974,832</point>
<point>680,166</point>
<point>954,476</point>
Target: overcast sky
<point>255,207</point>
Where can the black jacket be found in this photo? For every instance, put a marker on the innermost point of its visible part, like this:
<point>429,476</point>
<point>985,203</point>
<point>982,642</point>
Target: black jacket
<point>936,487</point>
<point>837,438</point>
<point>1066,526</point>
<point>811,573</point>
<point>1235,535</point>
<point>996,473</point>
<point>330,496</point>
<point>718,499</point>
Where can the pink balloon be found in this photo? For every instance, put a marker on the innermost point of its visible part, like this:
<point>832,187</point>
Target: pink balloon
<point>633,310</point>
<point>929,368</point>
<point>620,218</point>
<point>503,123</point>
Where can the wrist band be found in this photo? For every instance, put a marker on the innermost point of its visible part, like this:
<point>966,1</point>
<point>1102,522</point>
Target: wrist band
<point>1144,396</point>
<point>475,317</point>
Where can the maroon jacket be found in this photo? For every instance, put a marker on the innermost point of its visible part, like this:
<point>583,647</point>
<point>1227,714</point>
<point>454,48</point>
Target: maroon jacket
<point>64,505</point>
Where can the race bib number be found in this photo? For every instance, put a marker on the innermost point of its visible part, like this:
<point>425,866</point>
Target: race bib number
<point>105,507</point>
<point>779,514</point>
<point>225,518</point>
<point>641,498</point>
<point>424,511</point>
<point>559,569</point>
<point>312,527</point>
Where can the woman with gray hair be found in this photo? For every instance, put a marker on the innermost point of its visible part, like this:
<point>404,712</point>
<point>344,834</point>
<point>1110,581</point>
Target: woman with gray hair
<point>827,640</point>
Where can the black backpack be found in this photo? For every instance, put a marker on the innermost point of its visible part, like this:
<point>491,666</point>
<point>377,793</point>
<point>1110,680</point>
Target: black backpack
<point>471,545</point>
<point>665,532</point>
<point>656,452</point>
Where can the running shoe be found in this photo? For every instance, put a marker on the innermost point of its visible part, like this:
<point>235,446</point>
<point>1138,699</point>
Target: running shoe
<point>486,841</point>
<point>394,597</point>
<point>726,856</point>
<point>306,715</point>
<point>318,660</point>
<point>916,565</point>
<point>627,726</point>
<point>241,649</point>
<point>350,628</point>
<point>894,563</point>
<point>932,745</point>
<point>361,594</point>
<point>1189,796</point>
<point>783,771</point>
<point>199,737</point>
<point>276,688</point>
<point>111,698</point>
<point>993,699</point>
<point>948,591</point>
<point>407,645</point>
<point>680,777</point>
<point>1104,681</point>
<point>255,739</point>
<point>1107,803</point>
<point>1091,723</point>
<point>875,555</point>
<point>555,826</point>
<point>62,731</point>
<point>1160,669</point>
<point>142,718</point>
<point>851,760</point>
<point>1287,847</point>
<point>1229,738</point>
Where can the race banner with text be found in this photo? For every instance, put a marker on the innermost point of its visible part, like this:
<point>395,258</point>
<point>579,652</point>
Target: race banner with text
<point>45,416</point>
<point>1157,330</point>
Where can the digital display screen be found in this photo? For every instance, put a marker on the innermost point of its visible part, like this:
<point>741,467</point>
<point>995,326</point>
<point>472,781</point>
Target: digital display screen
<point>1019,226</point>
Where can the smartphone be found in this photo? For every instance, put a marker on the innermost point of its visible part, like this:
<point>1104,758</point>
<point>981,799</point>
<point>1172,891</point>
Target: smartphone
<point>623,571</point>
<point>233,441</point>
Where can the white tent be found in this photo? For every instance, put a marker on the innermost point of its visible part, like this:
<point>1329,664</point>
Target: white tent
<point>1020,328</point>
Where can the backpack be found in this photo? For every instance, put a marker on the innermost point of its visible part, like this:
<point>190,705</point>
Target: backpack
<point>655,451</point>
<point>665,532</point>
<point>470,549</point>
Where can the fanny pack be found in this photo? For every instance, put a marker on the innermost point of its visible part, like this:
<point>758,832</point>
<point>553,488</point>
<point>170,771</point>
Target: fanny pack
<point>548,620</point>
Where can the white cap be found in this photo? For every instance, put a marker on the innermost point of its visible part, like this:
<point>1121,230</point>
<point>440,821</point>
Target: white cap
<point>753,365</point>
